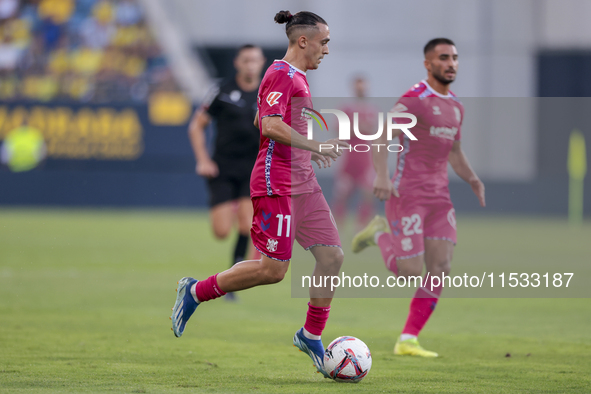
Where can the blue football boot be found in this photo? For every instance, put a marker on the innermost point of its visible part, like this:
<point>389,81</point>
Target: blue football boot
<point>313,348</point>
<point>184,306</point>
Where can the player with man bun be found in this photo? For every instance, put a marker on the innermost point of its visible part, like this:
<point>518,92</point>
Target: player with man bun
<point>287,200</point>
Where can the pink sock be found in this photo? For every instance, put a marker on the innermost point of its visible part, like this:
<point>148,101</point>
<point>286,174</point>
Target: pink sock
<point>387,247</point>
<point>421,307</point>
<point>208,289</point>
<point>316,319</point>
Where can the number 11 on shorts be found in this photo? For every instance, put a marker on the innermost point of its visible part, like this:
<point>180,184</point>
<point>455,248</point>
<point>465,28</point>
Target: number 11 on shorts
<point>280,224</point>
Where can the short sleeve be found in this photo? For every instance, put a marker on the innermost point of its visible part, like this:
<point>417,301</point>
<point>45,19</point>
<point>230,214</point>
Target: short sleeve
<point>405,104</point>
<point>274,95</point>
<point>212,104</point>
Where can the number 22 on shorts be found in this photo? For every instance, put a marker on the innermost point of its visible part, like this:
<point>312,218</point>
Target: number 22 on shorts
<point>411,224</point>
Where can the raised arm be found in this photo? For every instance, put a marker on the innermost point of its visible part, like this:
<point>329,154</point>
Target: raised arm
<point>460,164</point>
<point>205,166</point>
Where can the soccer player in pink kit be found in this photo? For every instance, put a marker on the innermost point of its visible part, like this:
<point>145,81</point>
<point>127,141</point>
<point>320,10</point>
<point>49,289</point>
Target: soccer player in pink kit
<point>356,171</point>
<point>287,200</point>
<point>421,224</point>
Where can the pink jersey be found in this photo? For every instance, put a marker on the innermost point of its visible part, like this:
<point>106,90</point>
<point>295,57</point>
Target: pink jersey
<point>422,165</point>
<point>279,169</point>
<point>359,164</point>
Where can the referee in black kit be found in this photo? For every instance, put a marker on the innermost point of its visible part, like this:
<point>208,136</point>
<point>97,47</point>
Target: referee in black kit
<point>233,106</point>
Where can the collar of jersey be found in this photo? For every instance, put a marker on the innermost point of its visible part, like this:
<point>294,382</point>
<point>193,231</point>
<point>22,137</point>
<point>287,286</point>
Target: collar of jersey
<point>434,91</point>
<point>291,65</point>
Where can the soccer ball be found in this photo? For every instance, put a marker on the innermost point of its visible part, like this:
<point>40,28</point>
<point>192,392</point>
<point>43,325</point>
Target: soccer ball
<point>347,359</point>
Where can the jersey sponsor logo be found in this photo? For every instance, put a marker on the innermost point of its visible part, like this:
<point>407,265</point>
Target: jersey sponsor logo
<point>458,114</point>
<point>406,244</point>
<point>272,245</point>
<point>436,110</point>
<point>273,98</point>
<point>451,218</point>
<point>448,133</point>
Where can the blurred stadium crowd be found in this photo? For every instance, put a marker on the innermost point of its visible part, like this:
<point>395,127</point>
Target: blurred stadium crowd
<point>92,51</point>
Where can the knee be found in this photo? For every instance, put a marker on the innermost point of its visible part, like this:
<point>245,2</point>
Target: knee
<point>220,231</point>
<point>272,275</point>
<point>335,260</point>
<point>220,234</point>
<point>338,256</point>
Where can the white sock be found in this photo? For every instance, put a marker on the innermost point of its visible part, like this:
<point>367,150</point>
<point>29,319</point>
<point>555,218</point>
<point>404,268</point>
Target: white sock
<point>404,337</point>
<point>308,335</point>
<point>377,235</point>
<point>193,292</point>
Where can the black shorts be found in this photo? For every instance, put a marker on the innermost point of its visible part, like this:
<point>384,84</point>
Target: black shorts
<point>229,185</point>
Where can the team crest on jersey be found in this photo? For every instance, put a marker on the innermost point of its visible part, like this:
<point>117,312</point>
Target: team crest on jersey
<point>272,245</point>
<point>273,98</point>
<point>235,95</point>
<point>406,244</point>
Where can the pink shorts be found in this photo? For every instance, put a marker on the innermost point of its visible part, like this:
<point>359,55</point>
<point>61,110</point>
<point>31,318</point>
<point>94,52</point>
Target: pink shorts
<point>414,219</point>
<point>279,220</point>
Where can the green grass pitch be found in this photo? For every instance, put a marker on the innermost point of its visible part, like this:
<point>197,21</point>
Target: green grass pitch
<point>85,298</point>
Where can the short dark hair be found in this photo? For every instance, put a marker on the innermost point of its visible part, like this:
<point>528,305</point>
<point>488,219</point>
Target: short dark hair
<point>301,19</point>
<point>436,41</point>
<point>245,46</point>
<point>358,77</point>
